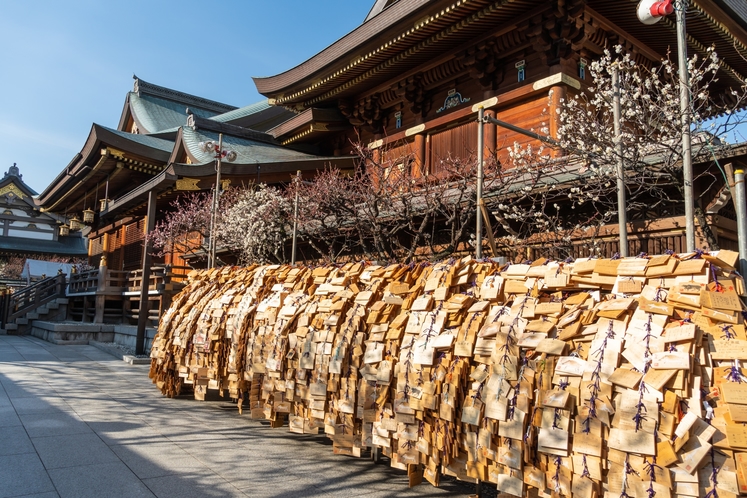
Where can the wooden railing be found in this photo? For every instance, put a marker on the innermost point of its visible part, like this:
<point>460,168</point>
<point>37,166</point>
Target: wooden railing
<point>112,282</point>
<point>99,280</point>
<point>102,295</point>
<point>162,278</point>
<point>97,287</point>
<point>22,301</point>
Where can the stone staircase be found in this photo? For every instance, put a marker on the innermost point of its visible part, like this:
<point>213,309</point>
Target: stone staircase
<point>43,298</point>
<point>58,312</point>
<point>55,310</point>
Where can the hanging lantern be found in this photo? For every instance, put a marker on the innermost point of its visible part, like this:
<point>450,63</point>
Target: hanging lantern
<point>104,204</point>
<point>75,224</point>
<point>64,230</point>
<point>88,215</point>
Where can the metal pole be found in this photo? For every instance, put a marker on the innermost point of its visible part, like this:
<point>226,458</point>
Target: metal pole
<point>622,219</point>
<point>142,314</point>
<point>480,179</point>
<point>521,131</point>
<point>687,163</point>
<point>295,218</point>
<point>216,200</point>
<point>740,204</point>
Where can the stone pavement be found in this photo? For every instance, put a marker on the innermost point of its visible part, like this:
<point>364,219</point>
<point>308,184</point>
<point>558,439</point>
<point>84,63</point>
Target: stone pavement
<point>77,422</point>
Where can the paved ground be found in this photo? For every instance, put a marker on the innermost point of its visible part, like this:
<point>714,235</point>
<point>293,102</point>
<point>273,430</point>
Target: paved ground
<point>77,422</point>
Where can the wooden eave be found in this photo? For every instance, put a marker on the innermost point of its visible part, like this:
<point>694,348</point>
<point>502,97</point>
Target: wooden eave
<point>332,74</point>
<point>703,30</point>
<point>443,26</point>
<point>281,83</point>
<point>307,122</point>
<point>131,201</point>
<point>134,202</point>
<point>271,173</point>
<point>90,167</point>
<point>179,151</point>
<point>126,114</point>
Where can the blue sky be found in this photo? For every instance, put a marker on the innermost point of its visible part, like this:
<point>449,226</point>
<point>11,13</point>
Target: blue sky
<point>67,64</point>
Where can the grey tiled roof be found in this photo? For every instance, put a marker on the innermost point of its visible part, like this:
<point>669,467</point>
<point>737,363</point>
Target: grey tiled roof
<point>242,111</point>
<point>69,246</point>
<point>248,151</point>
<point>144,88</point>
<point>152,142</point>
<point>156,114</point>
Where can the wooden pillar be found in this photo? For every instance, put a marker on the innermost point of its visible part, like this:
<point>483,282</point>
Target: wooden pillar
<point>106,244</point>
<point>122,234</point>
<point>557,96</point>
<point>491,135</point>
<point>375,168</point>
<point>99,300</point>
<point>142,316</point>
<point>419,150</point>
<point>99,304</point>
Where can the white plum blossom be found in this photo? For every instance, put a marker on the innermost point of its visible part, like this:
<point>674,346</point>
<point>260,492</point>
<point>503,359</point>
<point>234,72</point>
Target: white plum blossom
<point>255,225</point>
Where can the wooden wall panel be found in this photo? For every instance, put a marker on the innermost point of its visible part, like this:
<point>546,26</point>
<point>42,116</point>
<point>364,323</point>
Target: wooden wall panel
<point>531,115</point>
<point>114,254</point>
<point>133,245</point>
<point>457,142</point>
<point>96,249</point>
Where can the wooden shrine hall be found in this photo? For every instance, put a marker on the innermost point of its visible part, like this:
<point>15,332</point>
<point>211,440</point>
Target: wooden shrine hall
<point>407,82</point>
<point>410,79</point>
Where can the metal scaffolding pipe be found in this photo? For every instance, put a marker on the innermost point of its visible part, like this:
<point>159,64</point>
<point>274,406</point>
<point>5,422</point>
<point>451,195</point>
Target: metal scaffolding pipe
<point>480,180</point>
<point>622,219</point>
<point>687,160</point>
<point>740,205</point>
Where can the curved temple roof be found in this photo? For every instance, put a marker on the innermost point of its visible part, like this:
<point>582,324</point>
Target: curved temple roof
<point>248,151</point>
<point>154,114</point>
<point>157,109</point>
<point>410,33</point>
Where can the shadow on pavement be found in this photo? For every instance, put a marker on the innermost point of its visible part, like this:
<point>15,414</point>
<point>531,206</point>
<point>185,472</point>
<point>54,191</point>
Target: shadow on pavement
<point>77,422</point>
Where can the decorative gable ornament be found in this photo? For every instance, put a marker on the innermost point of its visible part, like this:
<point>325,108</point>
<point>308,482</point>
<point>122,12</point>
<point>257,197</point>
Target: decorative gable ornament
<point>11,191</point>
<point>452,100</point>
<point>188,184</point>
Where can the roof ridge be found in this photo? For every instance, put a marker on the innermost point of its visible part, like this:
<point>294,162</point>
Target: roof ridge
<point>196,123</point>
<point>141,87</point>
<point>14,173</point>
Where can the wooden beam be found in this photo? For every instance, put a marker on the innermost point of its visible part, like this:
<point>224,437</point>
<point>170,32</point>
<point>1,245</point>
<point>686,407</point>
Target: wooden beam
<point>142,316</point>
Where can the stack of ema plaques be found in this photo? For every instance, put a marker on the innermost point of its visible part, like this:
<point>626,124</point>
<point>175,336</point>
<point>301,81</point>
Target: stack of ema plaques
<point>598,377</point>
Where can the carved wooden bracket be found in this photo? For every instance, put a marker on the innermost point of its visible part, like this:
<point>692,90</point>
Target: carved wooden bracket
<point>555,33</point>
<point>365,112</point>
<point>412,90</point>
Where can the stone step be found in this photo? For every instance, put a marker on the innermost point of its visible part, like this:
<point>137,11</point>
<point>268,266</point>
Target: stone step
<point>22,321</point>
<point>11,326</point>
<point>33,315</point>
<point>53,305</point>
<point>62,300</point>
